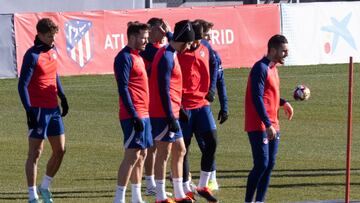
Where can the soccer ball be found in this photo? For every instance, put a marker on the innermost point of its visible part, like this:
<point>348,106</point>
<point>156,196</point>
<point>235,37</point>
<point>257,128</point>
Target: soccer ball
<point>301,93</point>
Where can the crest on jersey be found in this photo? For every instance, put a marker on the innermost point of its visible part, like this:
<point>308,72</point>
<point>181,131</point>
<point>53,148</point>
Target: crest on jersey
<point>202,54</point>
<point>78,41</point>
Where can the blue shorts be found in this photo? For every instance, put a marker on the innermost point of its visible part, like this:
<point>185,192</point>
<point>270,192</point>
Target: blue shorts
<point>136,140</point>
<point>160,130</point>
<point>50,123</point>
<point>201,120</point>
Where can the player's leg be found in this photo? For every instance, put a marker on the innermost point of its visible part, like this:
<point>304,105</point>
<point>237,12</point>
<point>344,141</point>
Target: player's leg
<point>163,149</point>
<point>178,152</point>
<point>186,128</point>
<point>56,137</point>
<point>134,143</point>
<point>260,153</point>
<point>206,136</point>
<point>265,179</point>
<point>135,178</point>
<point>131,156</point>
<point>36,147</point>
<point>36,140</point>
<point>149,171</point>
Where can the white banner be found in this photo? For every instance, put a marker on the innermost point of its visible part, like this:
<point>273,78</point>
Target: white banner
<point>321,33</point>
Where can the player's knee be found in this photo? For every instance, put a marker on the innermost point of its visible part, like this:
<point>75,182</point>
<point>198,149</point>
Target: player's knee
<point>59,153</point>
<point>34,155</point>
<point>261,165</point>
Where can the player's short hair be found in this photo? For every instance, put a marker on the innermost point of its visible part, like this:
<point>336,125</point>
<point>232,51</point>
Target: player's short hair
<point>198,29</point>
<point>155,22</point>
<point>46,25</point>
<point>276,41</point>
<point>206,24</point>
<point>134,28</point>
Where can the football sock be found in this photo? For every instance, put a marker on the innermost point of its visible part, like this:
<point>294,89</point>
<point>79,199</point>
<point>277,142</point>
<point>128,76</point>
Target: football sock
<point>150,182</point>
<point>178,188</point>
<point>136,193</point>
<point>32,193</point>
<point>213,175</point>
<point>160,189</point>
<point>45,184</point>
<point>204,179</point>
<point>120,193</point>
<point>186,186</point>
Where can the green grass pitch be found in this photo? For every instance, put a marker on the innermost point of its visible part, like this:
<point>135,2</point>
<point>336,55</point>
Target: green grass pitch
<point>310,164</point>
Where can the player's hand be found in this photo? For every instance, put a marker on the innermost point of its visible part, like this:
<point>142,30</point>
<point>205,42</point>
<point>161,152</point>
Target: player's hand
<point>138,124</point>
<point>165,27</point>
<point>31,119</point>
<point>64,106</point>
<point>223,116</point>
<point>173,125</point>
<point>289,111</point>
<point>271,132</point>
<point>210,96</point>
<point>184,117</point>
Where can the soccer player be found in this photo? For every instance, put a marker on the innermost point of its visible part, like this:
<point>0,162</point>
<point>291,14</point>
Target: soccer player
<point>132,81</point>
<point>165,101</point>
<point>196,116</point>
<point>158,30</point>
<point>221,91</point>
<point>262,103</point>
<point>39,86</point>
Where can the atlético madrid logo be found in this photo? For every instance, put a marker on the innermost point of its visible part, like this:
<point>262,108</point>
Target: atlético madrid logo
<point>78,41</point>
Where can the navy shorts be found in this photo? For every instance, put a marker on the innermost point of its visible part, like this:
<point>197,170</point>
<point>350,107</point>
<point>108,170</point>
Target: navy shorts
<point>201,120</point>
<point>50,123</point>
<point>160,130</point>
<point>136,140</point>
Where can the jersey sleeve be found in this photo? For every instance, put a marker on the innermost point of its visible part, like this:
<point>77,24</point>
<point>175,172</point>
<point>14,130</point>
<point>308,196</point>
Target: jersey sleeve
<point>165,67</point>
<point>213,65</point>
<point>27,70</point>
<point>122,68</point>
<point>60,89</point>
<point>258,77</point>
<point>221,86</point>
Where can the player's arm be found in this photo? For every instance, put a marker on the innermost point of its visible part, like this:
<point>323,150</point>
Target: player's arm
<point>288,109</point>
<point>27,70</point>
<point>122,68</point>
<point>165,67</point>
<point>26,73</point>
<point>213,66</point>
<point>221,90</point>
<point>61,94</point>
<point>258,77</point>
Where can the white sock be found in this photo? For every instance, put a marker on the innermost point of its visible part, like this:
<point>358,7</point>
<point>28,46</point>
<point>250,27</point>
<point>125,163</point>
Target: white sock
<point>160,190</point>
<point>136,193</point>
<point>204,179</point>
<point>150,182</point>
<point>213,175</point>
<point>178,188</point>
<point>120,194</point>
<point>187,187</point>
<point>32,193</point>
<point>45,184</point>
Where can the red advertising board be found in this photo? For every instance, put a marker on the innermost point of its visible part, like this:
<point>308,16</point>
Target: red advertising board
<point>88,41</point>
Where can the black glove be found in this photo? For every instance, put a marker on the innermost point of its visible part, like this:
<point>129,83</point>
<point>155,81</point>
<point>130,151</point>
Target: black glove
<point>210,96</point>
<point>138,124</point>
<point>64,106</point>
<point>31,119</point>
<point>223,116</point>
<point>184,117</point>
<point>173,125</point>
